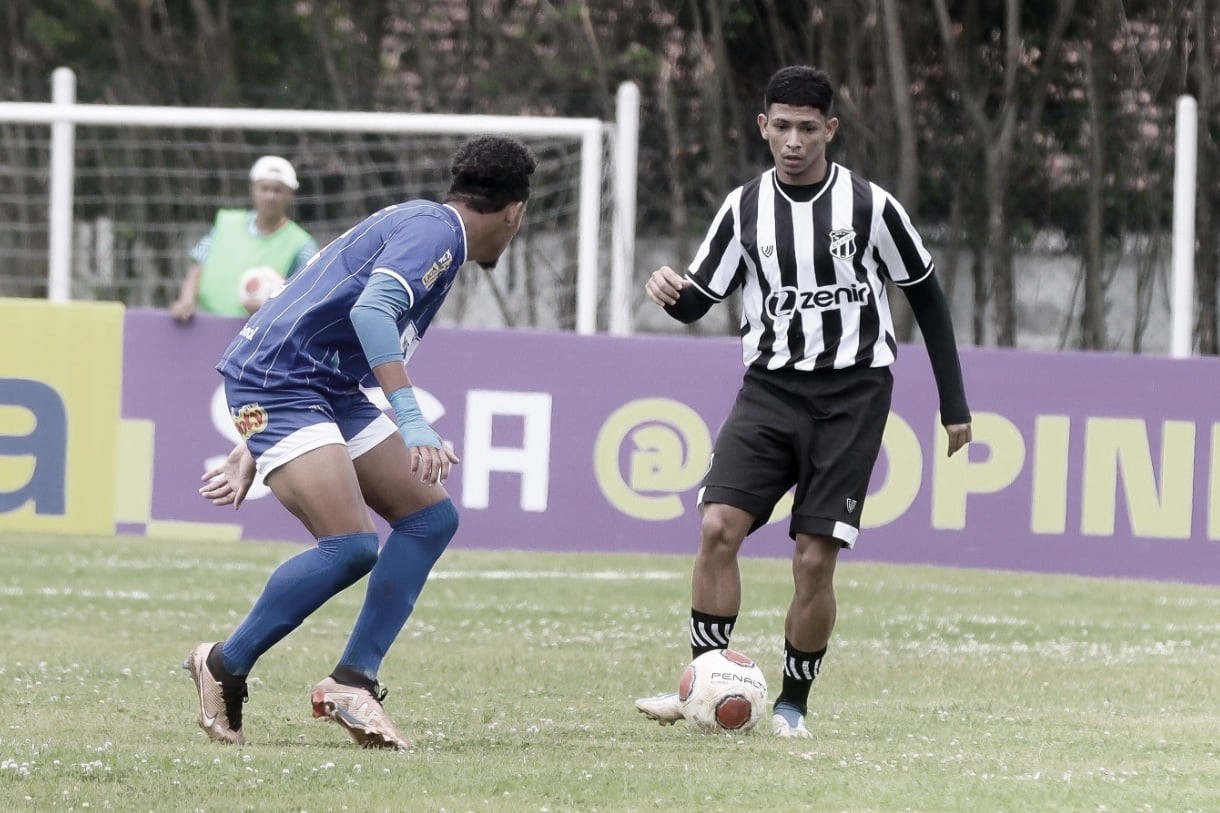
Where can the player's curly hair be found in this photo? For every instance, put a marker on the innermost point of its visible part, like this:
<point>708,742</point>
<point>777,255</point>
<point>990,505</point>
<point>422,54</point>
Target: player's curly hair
<point>490,172</point>
<point>800,86</point>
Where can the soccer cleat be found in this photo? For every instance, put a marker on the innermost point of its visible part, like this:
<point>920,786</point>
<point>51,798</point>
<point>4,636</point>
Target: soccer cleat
<point>358,710</point>
<point>788,722</point>
<point>219,705</point>
<point>665,708</point>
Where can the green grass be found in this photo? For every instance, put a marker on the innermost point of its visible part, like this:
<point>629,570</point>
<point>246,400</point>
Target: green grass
<point>943,690</point>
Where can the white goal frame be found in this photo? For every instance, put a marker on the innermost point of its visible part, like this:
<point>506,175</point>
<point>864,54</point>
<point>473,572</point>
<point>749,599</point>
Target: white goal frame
<point>63,114</point>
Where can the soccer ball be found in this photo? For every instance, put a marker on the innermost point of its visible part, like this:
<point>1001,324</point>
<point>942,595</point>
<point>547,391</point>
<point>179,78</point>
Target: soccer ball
<point>257,285</point>
<point>723,690</point>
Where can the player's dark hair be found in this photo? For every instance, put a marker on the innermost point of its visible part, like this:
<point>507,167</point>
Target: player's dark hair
<point>800,86</point>
<point>490,172</point>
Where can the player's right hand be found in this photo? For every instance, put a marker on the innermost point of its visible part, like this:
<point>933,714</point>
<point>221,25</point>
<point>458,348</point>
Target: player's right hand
<point>182,310</point>
<point>664,286</point>
<point>228,483</point>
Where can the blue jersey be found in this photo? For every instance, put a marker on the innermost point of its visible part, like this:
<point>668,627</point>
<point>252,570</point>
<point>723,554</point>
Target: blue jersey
<point>303,334</point>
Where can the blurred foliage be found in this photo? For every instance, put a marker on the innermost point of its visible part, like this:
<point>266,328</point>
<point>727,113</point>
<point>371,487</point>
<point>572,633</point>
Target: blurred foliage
<point>1000,119</point>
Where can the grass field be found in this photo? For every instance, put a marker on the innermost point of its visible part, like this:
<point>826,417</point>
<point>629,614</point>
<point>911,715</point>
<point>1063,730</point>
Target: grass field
<point>944,690</point>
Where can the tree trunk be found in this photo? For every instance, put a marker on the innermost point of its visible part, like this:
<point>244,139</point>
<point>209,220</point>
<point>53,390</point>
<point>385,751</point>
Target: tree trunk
<point>666,103</point>
<point>907,188</point>
<point>1000,245</point>
<point>978,271</point>
<point>1097,69</point>
<point>1207,257</point>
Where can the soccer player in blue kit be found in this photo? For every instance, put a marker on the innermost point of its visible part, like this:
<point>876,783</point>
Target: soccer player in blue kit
<point>352,317</point>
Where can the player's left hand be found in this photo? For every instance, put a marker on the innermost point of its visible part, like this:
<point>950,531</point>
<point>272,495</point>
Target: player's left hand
<point>959,435</point>
<point>228,483</point>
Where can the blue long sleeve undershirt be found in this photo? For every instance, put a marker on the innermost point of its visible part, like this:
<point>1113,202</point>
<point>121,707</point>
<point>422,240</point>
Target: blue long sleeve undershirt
<point>375,318</point>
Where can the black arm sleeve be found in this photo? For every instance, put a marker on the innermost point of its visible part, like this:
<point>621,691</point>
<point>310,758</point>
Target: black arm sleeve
<point>691,306</point>
<point>931,311</point>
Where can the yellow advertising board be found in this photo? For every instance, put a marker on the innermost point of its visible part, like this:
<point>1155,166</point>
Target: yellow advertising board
<point>60,390</point>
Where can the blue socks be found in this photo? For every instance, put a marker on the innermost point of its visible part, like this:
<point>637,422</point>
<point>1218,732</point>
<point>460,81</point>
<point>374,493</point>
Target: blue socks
<point>297,588</point>
<point>308,580</point>
<point>414,545</point>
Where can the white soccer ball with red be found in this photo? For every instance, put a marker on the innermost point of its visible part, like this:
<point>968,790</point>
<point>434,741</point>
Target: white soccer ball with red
<point>257,285</point>
<point>723,690</point>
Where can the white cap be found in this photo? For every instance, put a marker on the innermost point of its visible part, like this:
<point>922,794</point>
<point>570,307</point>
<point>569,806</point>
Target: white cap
<point>274,168</point>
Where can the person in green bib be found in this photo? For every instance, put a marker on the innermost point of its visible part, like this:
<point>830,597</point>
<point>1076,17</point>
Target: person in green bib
<point>243,239</point>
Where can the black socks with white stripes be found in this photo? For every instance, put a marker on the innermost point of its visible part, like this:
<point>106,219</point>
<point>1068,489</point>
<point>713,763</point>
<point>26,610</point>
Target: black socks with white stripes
<point>708,632</point>
<point>800,668</point>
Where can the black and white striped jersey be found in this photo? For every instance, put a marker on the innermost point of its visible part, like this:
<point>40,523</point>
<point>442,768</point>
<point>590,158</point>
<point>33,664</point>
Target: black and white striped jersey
<point>812,273</point>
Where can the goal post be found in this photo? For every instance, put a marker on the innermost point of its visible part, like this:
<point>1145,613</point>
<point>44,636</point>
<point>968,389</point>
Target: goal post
<point>590,207</point>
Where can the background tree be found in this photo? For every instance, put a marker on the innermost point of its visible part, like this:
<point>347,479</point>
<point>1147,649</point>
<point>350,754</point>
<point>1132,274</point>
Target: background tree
<point>1201,42</point>
<point>1002,126</point>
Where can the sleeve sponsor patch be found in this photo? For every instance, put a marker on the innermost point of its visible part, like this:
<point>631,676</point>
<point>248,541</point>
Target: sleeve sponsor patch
<point>439,267</point>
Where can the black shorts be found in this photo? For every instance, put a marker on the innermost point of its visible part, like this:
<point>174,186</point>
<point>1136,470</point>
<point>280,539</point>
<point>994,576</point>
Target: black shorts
<point>818,431</point>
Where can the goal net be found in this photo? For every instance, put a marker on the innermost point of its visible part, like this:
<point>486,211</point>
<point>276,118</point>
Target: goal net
<point>146,184</point>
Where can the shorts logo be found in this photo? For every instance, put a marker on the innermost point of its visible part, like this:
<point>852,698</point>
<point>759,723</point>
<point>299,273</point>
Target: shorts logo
<point>439,267</point>
<point>250,419</point>
<point>851,504</point>
<point>843,244</point>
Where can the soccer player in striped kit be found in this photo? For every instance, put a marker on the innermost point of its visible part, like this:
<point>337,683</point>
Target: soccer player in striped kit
<point>811,246</point>
<point>351,317</point>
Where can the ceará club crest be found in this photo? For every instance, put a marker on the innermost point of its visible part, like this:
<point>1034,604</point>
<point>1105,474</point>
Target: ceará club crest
<point>843,244</point>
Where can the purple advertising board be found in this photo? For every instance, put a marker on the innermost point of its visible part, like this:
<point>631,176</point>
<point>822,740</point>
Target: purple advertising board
<point>1093,464</point>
